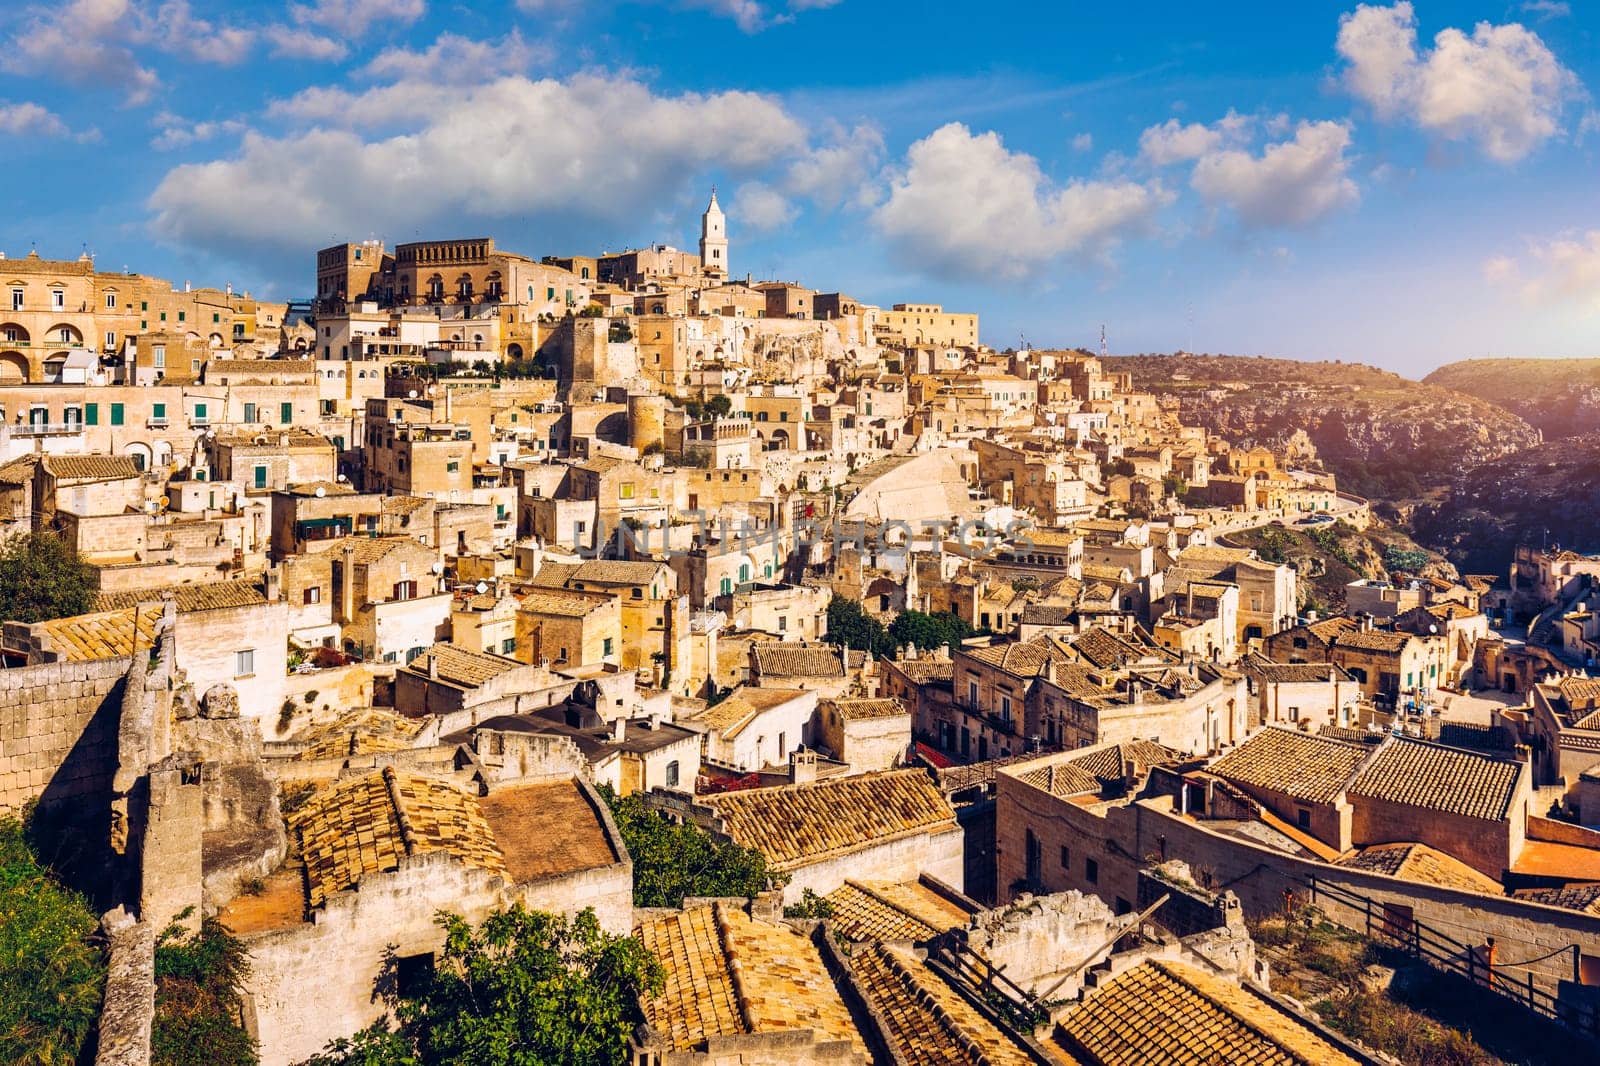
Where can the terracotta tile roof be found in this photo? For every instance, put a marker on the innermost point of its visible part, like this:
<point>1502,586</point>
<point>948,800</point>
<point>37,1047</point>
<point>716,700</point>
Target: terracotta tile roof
<point>742,706</point>
<point>553,575</point>
<point>212,596</point>
<point>1420,863</point>
<point>103,635</point>
<point>369,550</point>
<point>1103,648</point>
<point>366,824</point>
<point>1373,640</point>
<point>614,572</point>
<point>795,825</point>
<point>561,603</point>
<point>1275,673</point>
<point>1075,773</point>
<point>1312,768</point>
<point>546,830</point>
<point>1021,659</point>
<point>861,710</point>
<point>1419,773</point>
<point>924,1020</point>
<point>458,666</point>
<point>1584,897</point>
<point>1168,1013</point>
<point>297,437</point>
<point>728,975</point>
<point>91,467</point>
<point>781,659</point>
<point>887,910</point>
<point>924,670</point>
<point>20,470</point>
<point>366,732</point>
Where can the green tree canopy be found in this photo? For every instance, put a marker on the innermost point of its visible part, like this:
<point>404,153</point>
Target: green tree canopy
<point>929,630</point>
<point>849,624</point>
<point>42,578</point>
<point>719,406</point>
<point>523,989</point>
<point>672,860</point>
<point>199,1017</point>
<point>52,972</point>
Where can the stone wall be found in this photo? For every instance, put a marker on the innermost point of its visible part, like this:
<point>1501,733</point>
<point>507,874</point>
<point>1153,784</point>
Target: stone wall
<point>58,731</point>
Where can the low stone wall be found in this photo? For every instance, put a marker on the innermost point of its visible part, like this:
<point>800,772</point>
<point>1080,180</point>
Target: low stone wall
<point>58,731</point>
<point>129,1008</point>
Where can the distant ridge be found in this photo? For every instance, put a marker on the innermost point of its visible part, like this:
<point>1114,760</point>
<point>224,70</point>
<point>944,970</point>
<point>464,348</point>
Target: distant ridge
<point>1559,396</point>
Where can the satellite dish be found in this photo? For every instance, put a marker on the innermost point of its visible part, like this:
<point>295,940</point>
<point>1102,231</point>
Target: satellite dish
<point>411,395</point>
<point>438,568</point>
<point>321,492</point>
<point>482,588</point>
<point>1433,629</point>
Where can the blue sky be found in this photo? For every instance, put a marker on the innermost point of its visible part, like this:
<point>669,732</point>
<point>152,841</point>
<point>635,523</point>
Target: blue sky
<point>1402,184</point>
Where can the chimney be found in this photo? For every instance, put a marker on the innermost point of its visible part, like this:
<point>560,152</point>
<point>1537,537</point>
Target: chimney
<point>433,667</point>
<point>619,730</point>
<point>347,586</point>
<point>944,653</point>
<point>802,767</point>
<point>271,584</point>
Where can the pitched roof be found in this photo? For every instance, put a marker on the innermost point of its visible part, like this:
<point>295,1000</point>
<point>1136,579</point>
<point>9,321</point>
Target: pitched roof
<point>458,666</point>
<point>1091,770</point>
<point>211,596</point>
<point>741,707</point>
<point>924,1019</point>
<point>562,603</point>
<point>1580,897</point>
<point>367,824</point>
<point>728,975</point>
<point>615,572</point>
<point>1312,768</point>
<point>783,659</point>
<point>887,910</point>
<point>91,467</point>
<point>861,710</point>
<point>1419,773</point>
<point>102,635</point>
<point>1164,1012</point>
<point>795,825</point>
<point>1420,863</point>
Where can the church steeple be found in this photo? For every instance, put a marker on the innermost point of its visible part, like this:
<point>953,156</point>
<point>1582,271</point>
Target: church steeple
<point>714,239</point>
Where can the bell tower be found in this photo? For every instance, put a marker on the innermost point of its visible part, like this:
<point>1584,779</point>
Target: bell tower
<point>714,239</point>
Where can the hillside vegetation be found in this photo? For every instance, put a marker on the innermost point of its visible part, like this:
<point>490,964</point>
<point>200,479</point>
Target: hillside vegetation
<point>1385,436</point>
<point>1560,397</point>
<point>1326,558</point>
<point>1545,495</point>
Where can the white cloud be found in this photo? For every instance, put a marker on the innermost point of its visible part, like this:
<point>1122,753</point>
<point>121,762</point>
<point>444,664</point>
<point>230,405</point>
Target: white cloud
<point>966,205</point>
<point>1547,9</point>
<point>1501,87</point>
<point>291,43</point>
<point>355,17</point>
<point>1290,183</point>
<point>94,34</point>
<point>1173,142</point>
<point>176,132</point>
<point>840,171</point>
<point>1563,271</point>
<point>605,146</point>
<point>103,42</point>
<point>30,120</point>
<point>760,208</point>
<point>751,16</point>
<point>452,58</point>
<point>1083,142</point>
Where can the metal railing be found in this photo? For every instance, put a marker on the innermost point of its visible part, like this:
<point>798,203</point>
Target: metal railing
<point>1476,963</point>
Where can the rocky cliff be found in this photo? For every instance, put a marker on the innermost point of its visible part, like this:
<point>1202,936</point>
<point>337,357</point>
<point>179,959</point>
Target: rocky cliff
<point>1545,495</point>
<point>1386,437</point>
<point>1561,397</point>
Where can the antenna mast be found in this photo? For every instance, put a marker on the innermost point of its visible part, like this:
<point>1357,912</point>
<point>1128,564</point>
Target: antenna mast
<point>1103,352</point>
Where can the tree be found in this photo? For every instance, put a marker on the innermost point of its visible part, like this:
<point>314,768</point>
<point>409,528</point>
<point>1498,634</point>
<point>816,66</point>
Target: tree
<point>719,406</point>
<point>199,1018</point>
<point>672,860</point>
<point>1404,560</point>
<point>525,988</point>
<point>42,578</point>
<point>929,630</point>
<point>52,972</point>
<point>849,624</point>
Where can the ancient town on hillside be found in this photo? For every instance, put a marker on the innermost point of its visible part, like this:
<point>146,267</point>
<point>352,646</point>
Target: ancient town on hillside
<point>893,698</point>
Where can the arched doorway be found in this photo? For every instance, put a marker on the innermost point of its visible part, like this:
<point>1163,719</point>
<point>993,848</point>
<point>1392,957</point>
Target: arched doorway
<point>13,368</point>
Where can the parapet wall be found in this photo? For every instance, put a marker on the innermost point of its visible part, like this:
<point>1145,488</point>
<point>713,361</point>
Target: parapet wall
<point>58,731</point>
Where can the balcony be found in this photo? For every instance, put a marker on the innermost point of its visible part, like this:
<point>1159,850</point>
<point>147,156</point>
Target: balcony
<point>46,429</point>
<point>156,423</point>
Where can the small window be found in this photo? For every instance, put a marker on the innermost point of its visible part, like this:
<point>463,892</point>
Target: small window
<point>313,594</point>
<point>1066,857</point>
<point>637,593</point>
<point>58,300</point>
<point>606,647</point>
<point>1302,818</point>
<point>672,774</point>
<point>286,413</point>
<point>116,414</point>
<point>452,467</point>
<point>261,477</point>
<point>1091,871</point>
<point>244,662</point>
<point>508,645</point>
